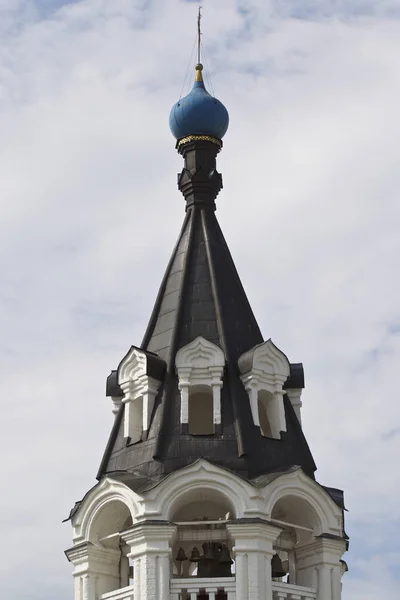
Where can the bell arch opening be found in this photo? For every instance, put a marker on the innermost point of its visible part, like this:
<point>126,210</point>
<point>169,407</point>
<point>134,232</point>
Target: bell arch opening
<point>202,547</point>
<point>297,511</point>
<point>113,518</point>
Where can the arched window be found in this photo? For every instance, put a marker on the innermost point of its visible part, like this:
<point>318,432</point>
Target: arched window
<point>201,409</point>
<point>264,398</point>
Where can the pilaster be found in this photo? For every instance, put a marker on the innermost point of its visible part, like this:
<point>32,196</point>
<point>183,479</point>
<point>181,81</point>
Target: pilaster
<point>96,570</point>
<point>318,565</point>
<point>253,549</point>
<point>150,548</point>
<point>295,399</point>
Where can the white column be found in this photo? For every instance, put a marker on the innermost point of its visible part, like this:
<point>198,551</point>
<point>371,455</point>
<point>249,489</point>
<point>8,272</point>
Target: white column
<point>253,550</point>
<point>216,390</point>
<point>336,583</point>
<point>251,389</point>
<point>88,587</point>
<point>96,570</point>
<point>241,573</point>
<point>276,415</point>
<point>137,574</point>
<point>150,547</point>
<point>184,389</point>
<point>295,399</point>
<point>117,401</point>
<point>78,586</point>
<point>318,565</point>
<point>164,574</point>
<point>149,391</point>
<point>292,567</point>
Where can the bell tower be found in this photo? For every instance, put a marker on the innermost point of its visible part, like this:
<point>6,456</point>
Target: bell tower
<point>207,489</point>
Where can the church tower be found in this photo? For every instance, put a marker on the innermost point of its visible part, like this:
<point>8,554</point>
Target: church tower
<point>207,489</point>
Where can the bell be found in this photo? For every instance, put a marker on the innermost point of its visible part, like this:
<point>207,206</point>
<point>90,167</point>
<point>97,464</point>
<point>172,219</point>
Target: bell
<point>208,553</point>
<point>181,556</point>
<point>276,567</point>
<point>195,556</point>
<point>225,557</point>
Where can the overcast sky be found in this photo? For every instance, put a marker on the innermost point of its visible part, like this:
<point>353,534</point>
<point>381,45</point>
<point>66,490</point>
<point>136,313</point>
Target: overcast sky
<point>90,212</point>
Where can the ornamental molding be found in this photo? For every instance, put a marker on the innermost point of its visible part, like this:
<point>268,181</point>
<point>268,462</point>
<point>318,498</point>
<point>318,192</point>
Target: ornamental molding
<point>201,477</point>
<point>149,538</point>
<point>133,366</point>
<point>200,360</point>
<point>105,492</point>
<point>90,556</point>
<point>200,363</point>
<point>254,537</point>
<point>265,365</point>
<point>322,551</point>
<point>198,138</point>
<point>296,484</point>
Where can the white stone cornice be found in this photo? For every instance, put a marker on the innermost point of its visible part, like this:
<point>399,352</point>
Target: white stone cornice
<point>322,550</point>
<point>148,531</point>
<point>253,537</point>
<point>78,553</point>
<point>94,557</point>
<point>150,539</point>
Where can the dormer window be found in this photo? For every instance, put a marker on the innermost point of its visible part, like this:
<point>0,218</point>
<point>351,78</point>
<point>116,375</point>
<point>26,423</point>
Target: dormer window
<point>200,366</point>
<point>140,375</point>
<point>264,370</point>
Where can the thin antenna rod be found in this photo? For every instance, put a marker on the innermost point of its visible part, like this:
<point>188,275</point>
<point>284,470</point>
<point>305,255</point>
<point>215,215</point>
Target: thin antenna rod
<point>198,35</point>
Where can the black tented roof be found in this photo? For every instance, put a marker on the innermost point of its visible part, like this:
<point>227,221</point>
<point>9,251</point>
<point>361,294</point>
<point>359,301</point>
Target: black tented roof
<point>201,295</point>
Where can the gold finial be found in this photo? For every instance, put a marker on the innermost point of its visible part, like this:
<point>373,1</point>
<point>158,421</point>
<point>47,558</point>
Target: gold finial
<point>199,75</point>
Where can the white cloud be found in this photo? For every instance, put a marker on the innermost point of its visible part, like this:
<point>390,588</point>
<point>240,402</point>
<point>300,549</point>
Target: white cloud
<point>90,212</point>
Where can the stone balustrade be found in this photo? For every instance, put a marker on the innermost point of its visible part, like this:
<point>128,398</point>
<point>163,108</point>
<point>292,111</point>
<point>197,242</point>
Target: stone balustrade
<point>286,591</point>
<point>125,593</point>
<point>195,588</point>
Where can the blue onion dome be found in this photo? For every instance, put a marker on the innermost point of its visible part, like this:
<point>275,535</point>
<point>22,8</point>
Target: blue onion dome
<point>198,113</point>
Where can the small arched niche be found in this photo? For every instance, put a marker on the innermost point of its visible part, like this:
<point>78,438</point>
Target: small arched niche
<point>201,410</point>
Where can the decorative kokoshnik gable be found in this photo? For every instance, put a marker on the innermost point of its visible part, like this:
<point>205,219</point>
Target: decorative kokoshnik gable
<point>207,463</point>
